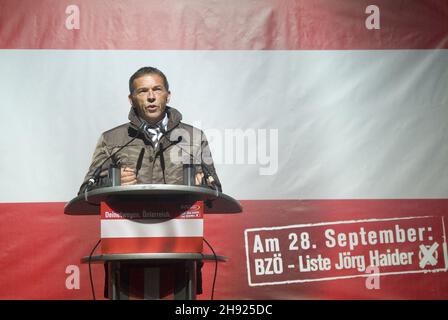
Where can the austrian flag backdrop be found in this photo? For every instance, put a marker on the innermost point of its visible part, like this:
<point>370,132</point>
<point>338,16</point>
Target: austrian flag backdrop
<point>327,120</point>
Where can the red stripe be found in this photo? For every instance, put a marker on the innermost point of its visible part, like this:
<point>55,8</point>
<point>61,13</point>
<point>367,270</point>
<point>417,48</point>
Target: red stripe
<point>151,245</point>
<point>49,241</point>
<point>271,213</point>
<point>226,25</point>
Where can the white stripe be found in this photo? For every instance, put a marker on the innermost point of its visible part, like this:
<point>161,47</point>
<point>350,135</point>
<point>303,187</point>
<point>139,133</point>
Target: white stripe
<point>351,124</point>
<point>122,228</point>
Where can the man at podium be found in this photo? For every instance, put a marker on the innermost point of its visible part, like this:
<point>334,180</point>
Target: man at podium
<point>155,146</point>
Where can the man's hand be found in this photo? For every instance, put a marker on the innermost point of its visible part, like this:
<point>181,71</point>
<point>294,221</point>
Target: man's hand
<point>128,176</point>
<point>198,178</point>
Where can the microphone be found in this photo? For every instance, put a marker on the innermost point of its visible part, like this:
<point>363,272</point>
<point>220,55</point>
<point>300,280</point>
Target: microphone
<point>162,149</point>
<point>93,179</point>
<point>162,157</point>
<point>207,175</point>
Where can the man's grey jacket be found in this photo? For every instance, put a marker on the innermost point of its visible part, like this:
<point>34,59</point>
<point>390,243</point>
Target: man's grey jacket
<point>180,144</point>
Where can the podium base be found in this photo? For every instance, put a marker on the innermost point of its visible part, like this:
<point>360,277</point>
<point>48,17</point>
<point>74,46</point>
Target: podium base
<point>151,280</point>
<point>170,276</point>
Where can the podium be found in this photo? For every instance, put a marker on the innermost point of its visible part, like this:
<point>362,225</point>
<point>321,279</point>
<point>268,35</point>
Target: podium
<point>151,236</point>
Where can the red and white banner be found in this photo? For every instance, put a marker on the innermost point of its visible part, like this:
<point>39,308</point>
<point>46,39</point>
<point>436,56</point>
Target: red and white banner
<point>151,228</point>
<point>321,115</point>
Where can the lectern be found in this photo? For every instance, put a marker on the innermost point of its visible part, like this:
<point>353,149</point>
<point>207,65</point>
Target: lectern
<point>151,236</point>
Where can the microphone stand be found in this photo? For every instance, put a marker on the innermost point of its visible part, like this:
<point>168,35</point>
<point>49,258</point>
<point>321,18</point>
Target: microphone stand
<point>114,169</point>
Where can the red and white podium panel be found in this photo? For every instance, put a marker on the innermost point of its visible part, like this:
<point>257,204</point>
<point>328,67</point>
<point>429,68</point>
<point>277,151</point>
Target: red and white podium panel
<point>142,227</point>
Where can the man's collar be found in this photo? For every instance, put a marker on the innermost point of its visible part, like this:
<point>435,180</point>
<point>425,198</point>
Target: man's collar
<point>173,120</point>
<point>163,124</point>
